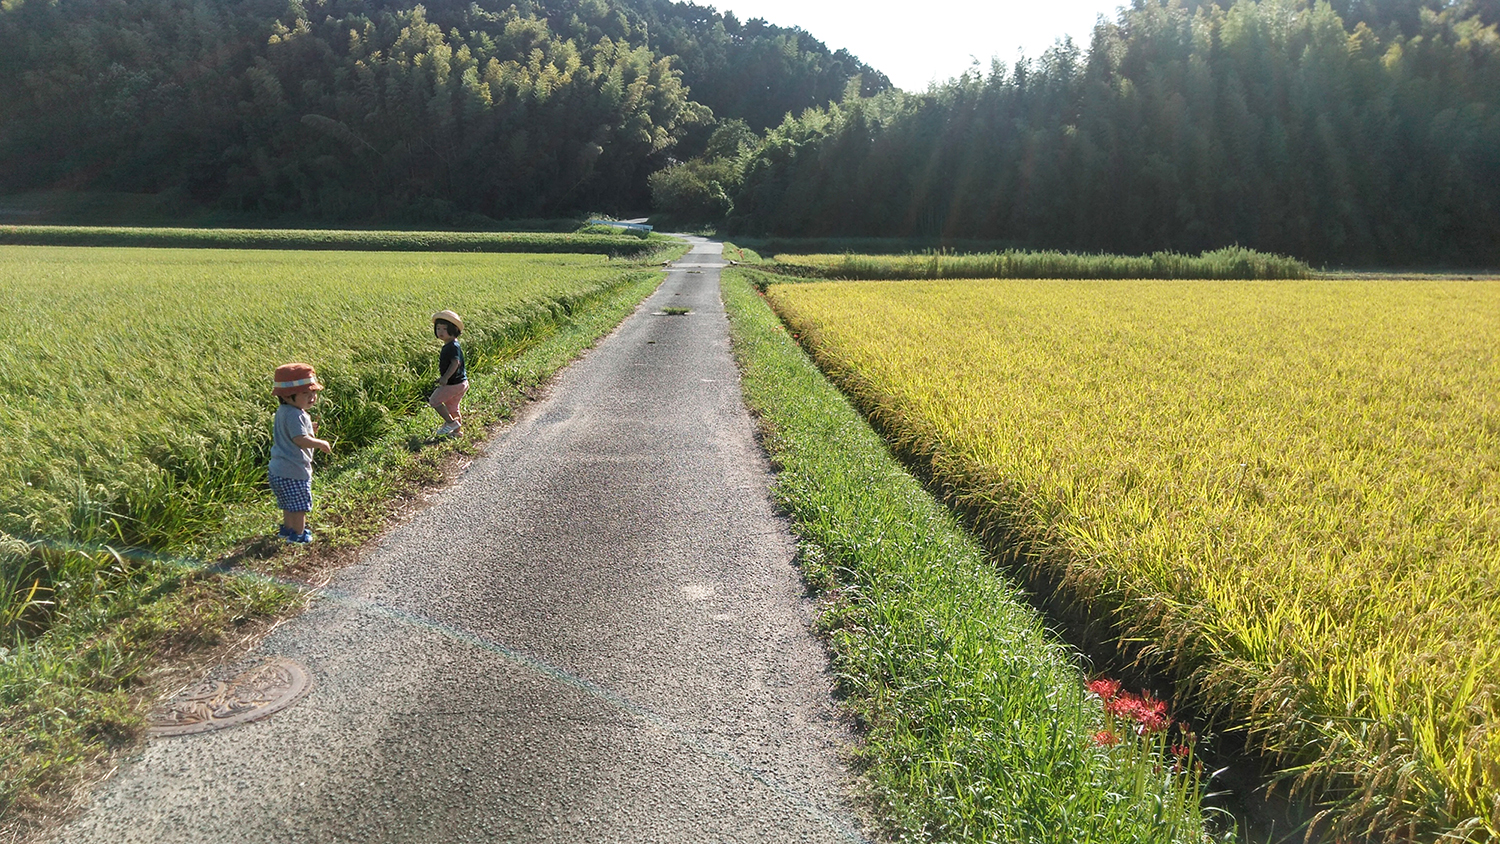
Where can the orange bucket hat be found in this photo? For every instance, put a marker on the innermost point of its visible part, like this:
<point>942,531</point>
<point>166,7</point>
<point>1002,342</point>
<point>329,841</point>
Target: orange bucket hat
<point>449,317</point>
<point>293,378</point>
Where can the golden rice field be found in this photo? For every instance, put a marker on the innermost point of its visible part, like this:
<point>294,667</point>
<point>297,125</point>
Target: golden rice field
<point>135,383</point>
<point>1290,491</point>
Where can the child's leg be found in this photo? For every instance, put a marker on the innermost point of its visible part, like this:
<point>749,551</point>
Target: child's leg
<point>441,401</point>
<point>458,395</point>
<point>294,497</point>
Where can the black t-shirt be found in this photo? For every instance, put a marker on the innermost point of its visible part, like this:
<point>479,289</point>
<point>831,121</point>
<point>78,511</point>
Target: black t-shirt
<point>451,351</point>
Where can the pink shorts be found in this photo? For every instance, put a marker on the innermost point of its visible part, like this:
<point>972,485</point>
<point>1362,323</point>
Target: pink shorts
<point>449,394</point>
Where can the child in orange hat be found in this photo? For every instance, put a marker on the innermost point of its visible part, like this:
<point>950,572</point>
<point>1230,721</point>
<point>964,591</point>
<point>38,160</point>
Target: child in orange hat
<point>453,381</point>
<point>292,442</point>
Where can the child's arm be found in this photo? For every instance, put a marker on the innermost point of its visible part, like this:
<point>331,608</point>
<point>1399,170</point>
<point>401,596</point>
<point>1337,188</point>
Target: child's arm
<point>452,368</point>
<point>313,442</point>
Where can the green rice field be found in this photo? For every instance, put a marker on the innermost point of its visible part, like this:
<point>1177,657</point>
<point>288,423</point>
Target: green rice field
<point>1285,496</point>
<point>135,410</point>
<point>136,381</point>
<point>597,240</point>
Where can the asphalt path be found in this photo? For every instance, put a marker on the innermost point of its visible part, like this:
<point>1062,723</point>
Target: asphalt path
<point>595,634</point>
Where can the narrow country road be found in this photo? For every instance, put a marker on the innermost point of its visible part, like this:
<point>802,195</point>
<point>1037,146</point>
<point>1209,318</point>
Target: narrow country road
<point>596,634</point>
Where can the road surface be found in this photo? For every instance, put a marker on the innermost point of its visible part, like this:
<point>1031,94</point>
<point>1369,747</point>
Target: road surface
<point>595,634</point>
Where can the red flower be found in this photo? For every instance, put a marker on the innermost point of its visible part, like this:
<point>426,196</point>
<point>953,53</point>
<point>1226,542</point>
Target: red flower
<point>1105,689</point>
<point>1148,712</point>
<point>1180,751</point>
<point>1106,738</point>
<point>1151,714</point>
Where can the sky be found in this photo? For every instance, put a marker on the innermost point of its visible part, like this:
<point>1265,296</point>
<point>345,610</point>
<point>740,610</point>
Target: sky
<point>931,40</point>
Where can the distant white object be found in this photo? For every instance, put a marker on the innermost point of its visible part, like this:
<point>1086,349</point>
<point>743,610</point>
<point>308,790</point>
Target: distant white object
<point>620,224</point>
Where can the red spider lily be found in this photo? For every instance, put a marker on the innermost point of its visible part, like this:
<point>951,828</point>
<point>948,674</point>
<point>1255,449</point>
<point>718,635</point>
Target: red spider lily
<point>1181,751</point>
<point>1106,738</point>
<point>1105,689</point>
<point>1152,715</point>
<point>1149,713</point>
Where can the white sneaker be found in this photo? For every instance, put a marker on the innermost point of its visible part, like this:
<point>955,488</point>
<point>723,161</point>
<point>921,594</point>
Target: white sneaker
<point>445,429</point>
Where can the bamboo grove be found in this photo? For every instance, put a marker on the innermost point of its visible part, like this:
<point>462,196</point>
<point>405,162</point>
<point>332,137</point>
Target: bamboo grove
<point>1362,134</point>
<point>449,112</point>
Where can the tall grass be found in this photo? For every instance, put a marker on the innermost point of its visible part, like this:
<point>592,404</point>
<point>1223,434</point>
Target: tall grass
<point>135,382</point>
<point>1286,495</point>
<point>1228,263</point>
<point>191,335</point>
<point>590,242</point>
<point>977,720</point>
<point>870,245</point>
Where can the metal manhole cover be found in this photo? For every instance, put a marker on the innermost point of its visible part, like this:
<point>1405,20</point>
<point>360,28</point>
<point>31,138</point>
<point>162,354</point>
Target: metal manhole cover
<point>266,687</point>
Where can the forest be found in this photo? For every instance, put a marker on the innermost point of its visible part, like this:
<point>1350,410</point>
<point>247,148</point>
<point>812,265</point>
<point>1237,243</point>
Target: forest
<point>1363,133</point>
<point>446,112</point>
<point>1354,133</point>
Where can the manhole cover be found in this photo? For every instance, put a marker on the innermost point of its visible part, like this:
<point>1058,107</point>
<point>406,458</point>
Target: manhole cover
<point>266,687</point>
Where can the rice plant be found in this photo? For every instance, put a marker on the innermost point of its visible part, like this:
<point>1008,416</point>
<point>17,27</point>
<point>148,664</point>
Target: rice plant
<point>1227,263</point>
<point>1286,494</point>
<point>978,725</point>
<point>592,240</point>
<point>136,381</point>
<point>134,413</point>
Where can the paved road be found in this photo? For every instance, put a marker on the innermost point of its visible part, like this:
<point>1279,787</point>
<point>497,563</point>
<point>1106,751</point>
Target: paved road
<point>596,634</point>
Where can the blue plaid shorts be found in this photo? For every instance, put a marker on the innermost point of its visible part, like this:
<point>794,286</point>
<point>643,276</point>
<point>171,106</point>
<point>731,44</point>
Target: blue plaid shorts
<point>293,495</point>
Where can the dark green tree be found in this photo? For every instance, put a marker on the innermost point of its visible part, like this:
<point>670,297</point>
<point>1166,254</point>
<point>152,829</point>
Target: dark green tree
<point>1277,125</point>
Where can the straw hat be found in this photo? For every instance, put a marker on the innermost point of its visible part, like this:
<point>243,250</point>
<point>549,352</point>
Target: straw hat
<point>449,316</point>
<point>293,378</point>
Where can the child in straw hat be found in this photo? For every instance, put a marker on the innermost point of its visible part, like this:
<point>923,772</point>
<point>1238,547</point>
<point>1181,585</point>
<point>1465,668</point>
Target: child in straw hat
<point>452,382</point>
<point>292,442</point>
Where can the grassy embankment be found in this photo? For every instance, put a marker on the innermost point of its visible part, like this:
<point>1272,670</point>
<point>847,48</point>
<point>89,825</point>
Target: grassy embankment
<point>136,407</point>
<point>594,240</point>
<point>1283,495</point>
<point>1228,263</point>
<point>977,720</point>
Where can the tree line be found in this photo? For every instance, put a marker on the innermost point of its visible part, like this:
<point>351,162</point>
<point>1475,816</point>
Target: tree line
<point>1366,132</point>
<point>445,112</point>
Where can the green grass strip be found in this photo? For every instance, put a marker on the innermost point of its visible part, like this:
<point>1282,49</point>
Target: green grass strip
<point>977,723</point>
<point>354,240</point>
<point>1222,264</point>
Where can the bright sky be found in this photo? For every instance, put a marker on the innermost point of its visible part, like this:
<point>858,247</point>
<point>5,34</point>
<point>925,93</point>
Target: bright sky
<point>931,40</point>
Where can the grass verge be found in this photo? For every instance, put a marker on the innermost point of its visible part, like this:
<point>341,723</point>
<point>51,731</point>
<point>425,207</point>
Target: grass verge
<point>73,697</point>
<point>354,240</point>
<point>742,255</point>
<point>978,723</point>
<point>1228,263</point>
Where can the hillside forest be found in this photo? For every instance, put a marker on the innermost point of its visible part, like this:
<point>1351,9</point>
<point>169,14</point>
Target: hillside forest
<point>1356,132</point>
<point>444,112</point>
<point>1366,132</point>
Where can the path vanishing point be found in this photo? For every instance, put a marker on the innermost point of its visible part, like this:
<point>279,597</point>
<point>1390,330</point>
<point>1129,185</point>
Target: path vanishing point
<point>595,634</point>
